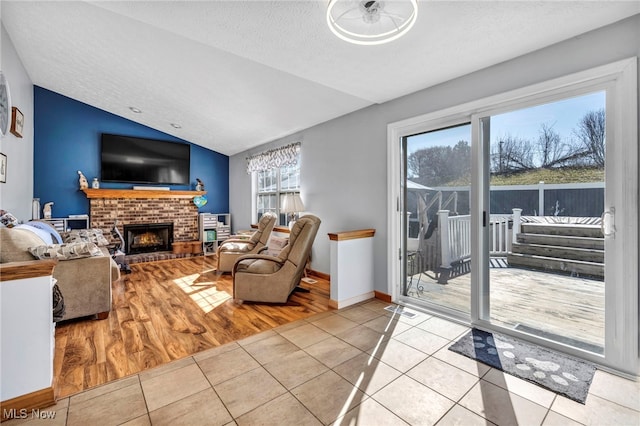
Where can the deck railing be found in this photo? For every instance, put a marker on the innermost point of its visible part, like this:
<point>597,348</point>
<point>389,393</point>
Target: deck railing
<point>455,235</point>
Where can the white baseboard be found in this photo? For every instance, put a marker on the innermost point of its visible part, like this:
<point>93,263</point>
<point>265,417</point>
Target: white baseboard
<point>335,304</point>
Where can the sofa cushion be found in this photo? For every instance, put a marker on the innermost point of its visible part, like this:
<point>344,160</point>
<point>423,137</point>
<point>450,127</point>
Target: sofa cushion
<point>66,251</point>
<point>85,235</point>
<point>15,243</point>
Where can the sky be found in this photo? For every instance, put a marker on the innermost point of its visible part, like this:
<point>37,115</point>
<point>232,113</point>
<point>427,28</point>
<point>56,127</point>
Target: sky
<point>524,123</point>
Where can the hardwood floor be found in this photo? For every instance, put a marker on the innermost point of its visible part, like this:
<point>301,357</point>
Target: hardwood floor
<point>165,311</point>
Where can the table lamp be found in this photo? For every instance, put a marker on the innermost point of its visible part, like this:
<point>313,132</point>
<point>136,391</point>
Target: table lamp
<point>292,205</point>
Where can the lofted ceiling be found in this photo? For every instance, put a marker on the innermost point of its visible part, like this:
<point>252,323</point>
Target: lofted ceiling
<point>237,74</point>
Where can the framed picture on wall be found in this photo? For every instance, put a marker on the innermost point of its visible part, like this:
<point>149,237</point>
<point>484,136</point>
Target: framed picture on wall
<point>17,122</point>
<point>3,168</point>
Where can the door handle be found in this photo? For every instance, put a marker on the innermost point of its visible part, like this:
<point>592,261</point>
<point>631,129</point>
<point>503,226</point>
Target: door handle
<point>608,227</point>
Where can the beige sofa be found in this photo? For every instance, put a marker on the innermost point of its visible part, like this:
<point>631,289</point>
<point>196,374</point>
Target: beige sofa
<point>85,283</point>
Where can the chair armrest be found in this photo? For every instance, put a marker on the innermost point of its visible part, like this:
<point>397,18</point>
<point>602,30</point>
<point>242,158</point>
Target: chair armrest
<point>240,245</point>
<point>235,240</point>
<point>256,257</point>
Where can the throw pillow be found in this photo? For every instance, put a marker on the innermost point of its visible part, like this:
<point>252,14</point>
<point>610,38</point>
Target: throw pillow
<point>85,235</point>
<point>7,219</point>
<point>66,251</point>
<point>275,245</point>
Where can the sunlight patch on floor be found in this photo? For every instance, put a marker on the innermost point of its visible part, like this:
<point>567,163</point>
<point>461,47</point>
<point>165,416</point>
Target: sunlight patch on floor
<point>204,293</point>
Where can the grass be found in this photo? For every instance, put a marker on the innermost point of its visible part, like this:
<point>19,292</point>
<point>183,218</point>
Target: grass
<point>533,177</point>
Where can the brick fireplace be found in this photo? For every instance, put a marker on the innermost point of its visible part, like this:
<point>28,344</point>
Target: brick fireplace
<point>148,237</point>
<point>135,207</point>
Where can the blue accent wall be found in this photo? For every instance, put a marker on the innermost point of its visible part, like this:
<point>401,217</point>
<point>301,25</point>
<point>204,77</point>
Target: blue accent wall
<point>67,139</point>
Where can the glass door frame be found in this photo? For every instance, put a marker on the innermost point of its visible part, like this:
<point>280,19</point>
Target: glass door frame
<point>619,79</point>
<point>480,202</point>
<point>398,218</point>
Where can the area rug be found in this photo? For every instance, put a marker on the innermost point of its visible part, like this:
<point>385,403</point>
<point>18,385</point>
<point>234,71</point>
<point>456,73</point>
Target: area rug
<point>560,373</point>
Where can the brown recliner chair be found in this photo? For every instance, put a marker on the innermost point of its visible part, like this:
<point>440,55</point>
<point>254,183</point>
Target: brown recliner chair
<point>233,248</point>
<point>263,278</point>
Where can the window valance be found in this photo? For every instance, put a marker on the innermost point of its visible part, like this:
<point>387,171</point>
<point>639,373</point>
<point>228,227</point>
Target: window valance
<point>284,156</point>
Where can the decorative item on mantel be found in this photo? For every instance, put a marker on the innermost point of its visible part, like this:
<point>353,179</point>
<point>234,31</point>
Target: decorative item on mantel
<point>84,184</point>
<point>200,200</point>
<point>95,184</point>
<point>199,185</point>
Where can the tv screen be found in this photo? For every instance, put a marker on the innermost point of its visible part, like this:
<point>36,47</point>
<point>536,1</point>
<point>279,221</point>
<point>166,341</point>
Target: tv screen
<point>138,160</point>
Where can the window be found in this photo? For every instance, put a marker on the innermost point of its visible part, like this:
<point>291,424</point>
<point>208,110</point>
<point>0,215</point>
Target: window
<point>272,185</point>
<point>277,174</point>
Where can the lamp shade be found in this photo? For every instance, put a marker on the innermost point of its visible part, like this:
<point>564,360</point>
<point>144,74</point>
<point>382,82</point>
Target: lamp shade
<point>292,204</point>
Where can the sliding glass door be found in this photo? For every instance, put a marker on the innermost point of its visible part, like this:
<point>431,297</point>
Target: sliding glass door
<point>518,213</point>
<point>545,248</point>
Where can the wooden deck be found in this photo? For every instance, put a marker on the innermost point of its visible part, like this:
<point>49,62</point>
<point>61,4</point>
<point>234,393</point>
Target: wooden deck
<point>550,305</point>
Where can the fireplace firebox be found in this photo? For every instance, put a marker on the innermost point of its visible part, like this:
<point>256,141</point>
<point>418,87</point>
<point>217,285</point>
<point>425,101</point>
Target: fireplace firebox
<point>148,237</point>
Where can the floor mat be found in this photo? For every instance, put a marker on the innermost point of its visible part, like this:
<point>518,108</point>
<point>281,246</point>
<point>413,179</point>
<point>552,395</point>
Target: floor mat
<point>560,373</point>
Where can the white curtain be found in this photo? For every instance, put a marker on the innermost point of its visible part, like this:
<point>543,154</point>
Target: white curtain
<point>278,157</point>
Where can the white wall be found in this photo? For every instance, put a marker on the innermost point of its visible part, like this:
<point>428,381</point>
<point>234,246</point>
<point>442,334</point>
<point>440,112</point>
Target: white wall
<point>344,160</point>
<point>16,195</point>
<point>26,336</point>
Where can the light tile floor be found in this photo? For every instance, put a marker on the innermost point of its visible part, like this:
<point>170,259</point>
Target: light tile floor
<point>360,365</point>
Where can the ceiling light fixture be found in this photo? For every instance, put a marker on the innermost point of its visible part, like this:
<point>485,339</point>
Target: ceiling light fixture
<point>370,22</point>
<point>176,126</point>
<point>136,110</point>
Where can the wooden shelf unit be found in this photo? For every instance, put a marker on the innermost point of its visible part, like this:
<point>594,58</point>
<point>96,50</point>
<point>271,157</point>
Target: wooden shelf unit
<point>214,228</point>
<point>61,224</point>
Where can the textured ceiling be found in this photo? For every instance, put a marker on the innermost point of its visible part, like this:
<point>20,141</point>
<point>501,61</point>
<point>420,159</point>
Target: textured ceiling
<point>236,74</point>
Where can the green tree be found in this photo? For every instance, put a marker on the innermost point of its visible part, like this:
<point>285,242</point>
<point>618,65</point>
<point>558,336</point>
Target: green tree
<point>438,165</point>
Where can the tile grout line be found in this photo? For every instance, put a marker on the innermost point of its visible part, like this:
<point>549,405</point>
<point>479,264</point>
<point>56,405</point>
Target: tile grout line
<point>288,391</point>
<point>213,389</point>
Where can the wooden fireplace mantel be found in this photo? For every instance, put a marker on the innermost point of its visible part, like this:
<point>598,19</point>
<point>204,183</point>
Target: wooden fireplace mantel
<point>139,193</point>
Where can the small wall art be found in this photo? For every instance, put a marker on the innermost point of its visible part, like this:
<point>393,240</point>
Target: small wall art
<point>17,122</point>
<point>3,168</point>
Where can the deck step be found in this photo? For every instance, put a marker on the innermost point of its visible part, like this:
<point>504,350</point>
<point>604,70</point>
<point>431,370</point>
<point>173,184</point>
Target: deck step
<point>553,264</point>
<point>562,240</point>
<point>560,252</point>
<point>573,230</point>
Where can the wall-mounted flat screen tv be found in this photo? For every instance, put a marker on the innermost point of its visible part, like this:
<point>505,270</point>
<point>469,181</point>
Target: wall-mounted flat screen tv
<point>138,160</point>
